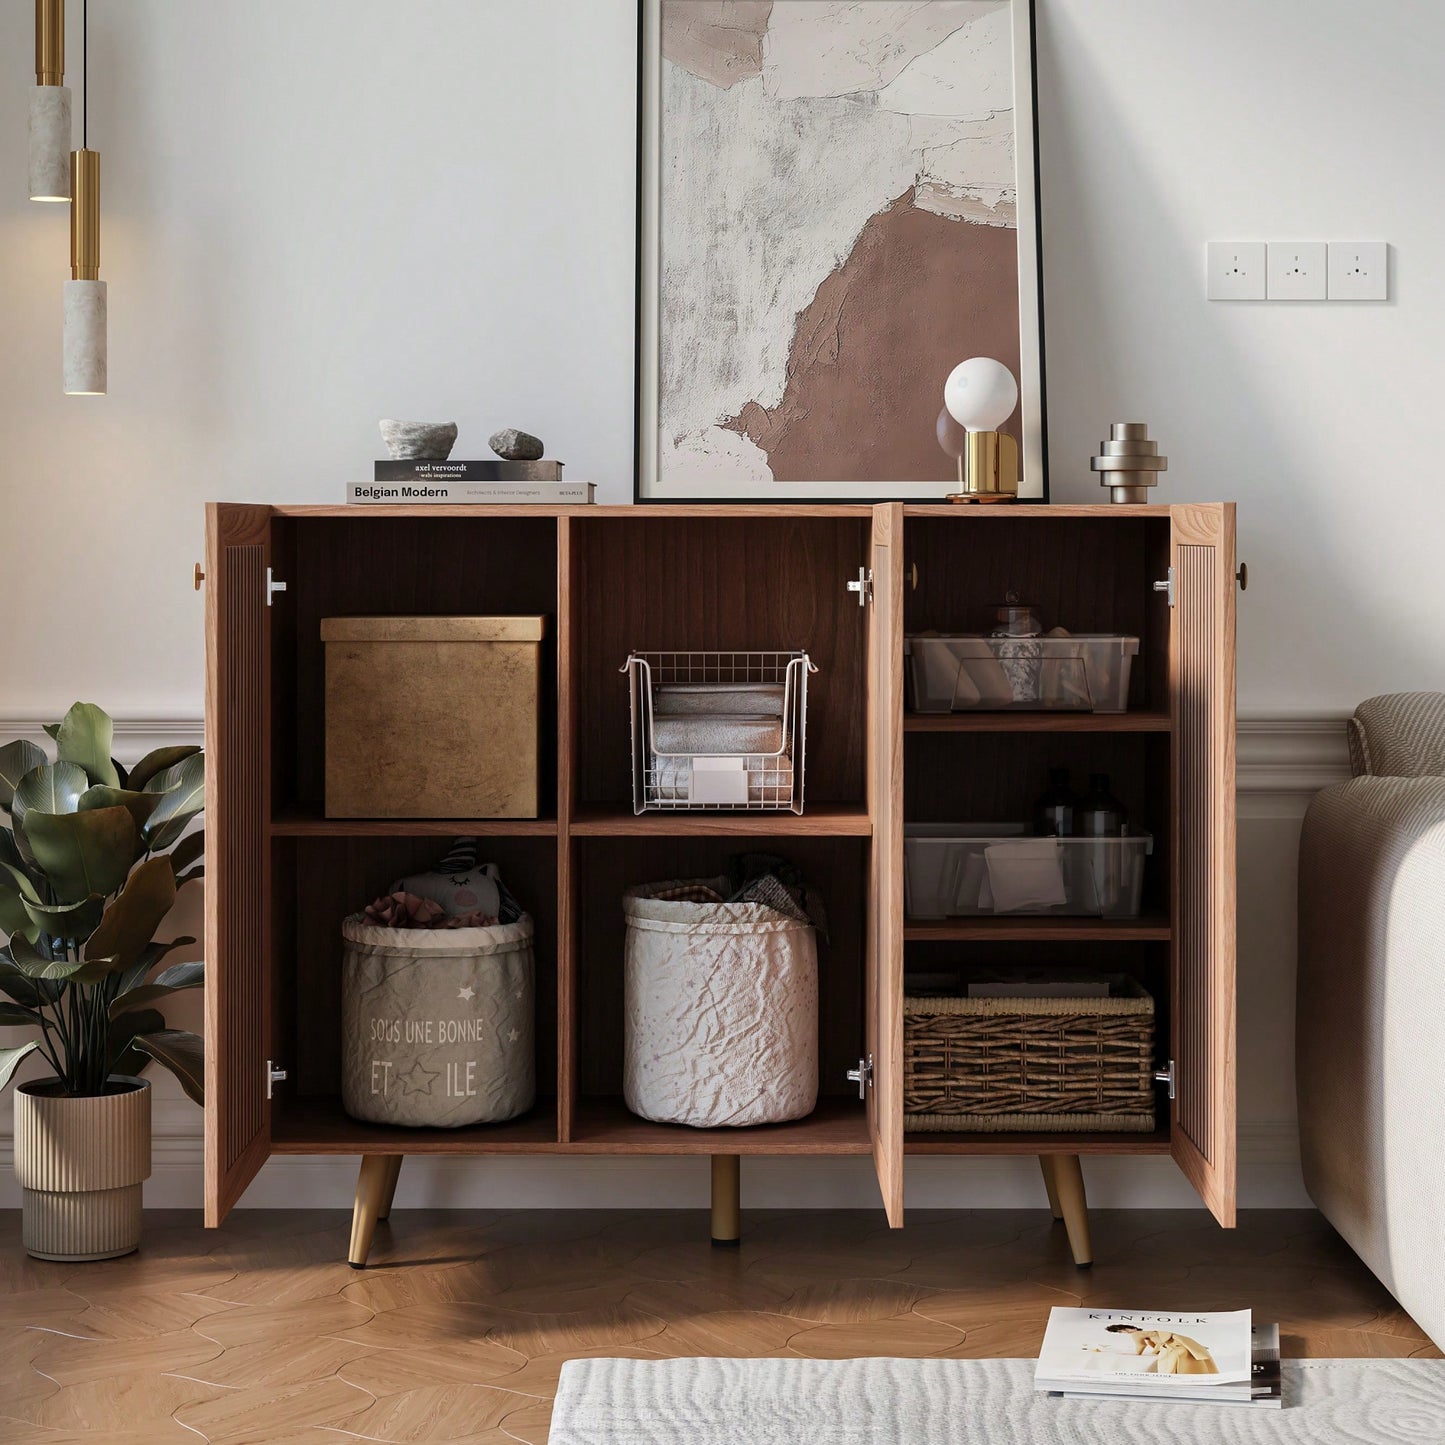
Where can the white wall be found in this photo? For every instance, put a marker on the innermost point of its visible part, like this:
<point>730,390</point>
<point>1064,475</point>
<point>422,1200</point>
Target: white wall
<point>318,213</point>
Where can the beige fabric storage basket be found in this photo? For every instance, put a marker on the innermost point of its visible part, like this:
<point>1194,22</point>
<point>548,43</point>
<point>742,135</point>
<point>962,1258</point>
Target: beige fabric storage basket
<point>432,717</point>
<point>721,1011</point>
<point>999,1065</point>
<point>437,1024</point>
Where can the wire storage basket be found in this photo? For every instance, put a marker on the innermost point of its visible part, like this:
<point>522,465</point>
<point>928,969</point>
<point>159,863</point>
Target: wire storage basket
<point>718,731</point>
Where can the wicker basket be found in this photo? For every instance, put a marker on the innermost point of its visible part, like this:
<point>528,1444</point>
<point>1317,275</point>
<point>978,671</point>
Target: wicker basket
<point>998,1065</point>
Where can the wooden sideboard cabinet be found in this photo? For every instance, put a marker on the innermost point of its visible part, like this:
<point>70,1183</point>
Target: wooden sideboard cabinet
<point>616,579</point>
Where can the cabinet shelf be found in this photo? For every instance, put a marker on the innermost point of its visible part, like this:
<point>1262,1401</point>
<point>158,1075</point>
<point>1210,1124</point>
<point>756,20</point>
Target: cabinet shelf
<point>1148,928</point>
<point>606,1126</point>
<point>322,1126</point>
<point>824,820</point>
<point>308,821</point>
<point>1153,1143</point>
<point>1036,722</point>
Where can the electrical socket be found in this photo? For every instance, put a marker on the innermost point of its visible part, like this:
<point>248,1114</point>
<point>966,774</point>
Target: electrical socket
<point>1358,271</point>
<point>1296,271</point>
<point>1235,270</point>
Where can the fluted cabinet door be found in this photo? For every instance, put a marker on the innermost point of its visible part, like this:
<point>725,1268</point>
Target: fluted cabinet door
<point>1202,670</point>
<point>884,1004</point>
<point>238,984</point>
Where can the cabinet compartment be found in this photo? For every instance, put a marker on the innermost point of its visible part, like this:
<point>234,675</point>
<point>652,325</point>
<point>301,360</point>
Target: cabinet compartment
<point>603,869</point>
<point>317,882</point>
<point>650,584</point>
<point>411,566</point>
<point>1088,574</point>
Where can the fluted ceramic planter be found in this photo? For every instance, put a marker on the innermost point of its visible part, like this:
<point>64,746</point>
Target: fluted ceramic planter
<point>81,1163</point>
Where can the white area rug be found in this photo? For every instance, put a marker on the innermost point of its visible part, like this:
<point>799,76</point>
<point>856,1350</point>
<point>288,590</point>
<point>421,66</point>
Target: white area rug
<point>971,1402</point>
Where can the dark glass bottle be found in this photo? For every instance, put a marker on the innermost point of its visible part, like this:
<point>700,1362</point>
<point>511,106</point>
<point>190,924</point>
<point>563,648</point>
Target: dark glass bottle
<point>1099,813</point>
<point>1054,810</point>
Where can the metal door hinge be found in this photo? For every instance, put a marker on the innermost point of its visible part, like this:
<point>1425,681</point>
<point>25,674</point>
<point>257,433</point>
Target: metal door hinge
<point>862,1076</point>
<point>275,1074</point>
<point>1166,1076</point>
<point>1167,586</point>
<point>863,586</point>
<point>272,587</point>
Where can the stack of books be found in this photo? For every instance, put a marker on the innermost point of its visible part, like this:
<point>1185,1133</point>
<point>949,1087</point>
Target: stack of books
<point>1221,1358</point>
<point>407,483</point>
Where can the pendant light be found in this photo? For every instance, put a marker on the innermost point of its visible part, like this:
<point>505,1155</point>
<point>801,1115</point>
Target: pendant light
<point>50,107</point>
<point>85,299</point>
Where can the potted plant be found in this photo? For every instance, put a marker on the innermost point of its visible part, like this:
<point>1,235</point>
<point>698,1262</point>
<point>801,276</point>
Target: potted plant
<point>89,867</point>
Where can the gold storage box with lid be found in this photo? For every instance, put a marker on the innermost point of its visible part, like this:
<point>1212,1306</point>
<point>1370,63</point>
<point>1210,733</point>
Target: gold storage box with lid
<point>432,717</point>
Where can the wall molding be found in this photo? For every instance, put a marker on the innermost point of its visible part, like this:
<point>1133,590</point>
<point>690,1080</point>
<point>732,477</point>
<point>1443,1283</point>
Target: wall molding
<point>1278,753</point>
<point>1283,760</point>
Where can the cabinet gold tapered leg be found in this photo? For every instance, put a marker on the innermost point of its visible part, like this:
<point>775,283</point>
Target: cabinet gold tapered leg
<point>393,1173</point>
<point>1068,1181</point>
<point>726,1200</point>
<point>373,1185</point>
<point>1046,1164</point>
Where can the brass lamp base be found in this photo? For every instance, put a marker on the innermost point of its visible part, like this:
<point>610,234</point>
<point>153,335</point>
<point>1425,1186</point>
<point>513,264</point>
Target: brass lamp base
<point>988,470</point>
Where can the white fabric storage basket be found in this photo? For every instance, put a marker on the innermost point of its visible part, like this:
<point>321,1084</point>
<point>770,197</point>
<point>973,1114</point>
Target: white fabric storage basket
<point>721,1004</point>
<point>437,1024</point>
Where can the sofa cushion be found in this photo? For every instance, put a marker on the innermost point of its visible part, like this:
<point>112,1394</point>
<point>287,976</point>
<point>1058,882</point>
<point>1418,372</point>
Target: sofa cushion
<point>1399,735</point>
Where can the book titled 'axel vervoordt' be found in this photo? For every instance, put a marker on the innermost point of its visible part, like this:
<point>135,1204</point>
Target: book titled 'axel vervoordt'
<point>545,494</point>
<point>489,469</point>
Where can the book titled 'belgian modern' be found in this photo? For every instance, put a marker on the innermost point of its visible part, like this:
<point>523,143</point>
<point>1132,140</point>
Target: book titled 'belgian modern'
<point>414,493</point>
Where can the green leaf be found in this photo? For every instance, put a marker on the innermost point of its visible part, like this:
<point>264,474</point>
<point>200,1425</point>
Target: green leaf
<point>85,737</point>
<point>184,787</point>
<point>13,915</point>
<point>139,805</point>
<point>35,963</point>
<point>17,759</point>
<point>13,1016</point>
<point>183,1054</point>
<point>23,989</point>
<point>10,1060</point>
<point>191,847</point>
<point>83,853</point>
<point>122,1033</point>
<point>52,731</point>
<point>182,975</point>
<point>50,788</point>
<point>20,879</point>
<point>67,920</point>
<point>157,762</point>
<point>131,921</point>
<point>151,993</point>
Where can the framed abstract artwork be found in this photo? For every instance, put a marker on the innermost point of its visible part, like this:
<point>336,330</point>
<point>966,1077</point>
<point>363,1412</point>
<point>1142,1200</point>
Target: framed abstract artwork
<point>838,203</point>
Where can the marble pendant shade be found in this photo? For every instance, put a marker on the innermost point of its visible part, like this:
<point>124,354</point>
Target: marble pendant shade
<point>50,143</point>
<point>85,338</point>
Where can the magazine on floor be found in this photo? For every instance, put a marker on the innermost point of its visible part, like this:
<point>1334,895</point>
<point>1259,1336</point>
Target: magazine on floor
<point>1148,1353</point>
<point>1264,1389</point>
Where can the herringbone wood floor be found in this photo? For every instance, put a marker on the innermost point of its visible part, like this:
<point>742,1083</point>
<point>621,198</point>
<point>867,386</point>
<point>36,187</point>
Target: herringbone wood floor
<point>259,1333</point>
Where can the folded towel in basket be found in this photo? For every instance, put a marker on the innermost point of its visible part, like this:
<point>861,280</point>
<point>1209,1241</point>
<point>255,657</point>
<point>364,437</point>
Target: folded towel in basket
<point>722,733</point>
<point>755,699</point>
<point>669,780</point>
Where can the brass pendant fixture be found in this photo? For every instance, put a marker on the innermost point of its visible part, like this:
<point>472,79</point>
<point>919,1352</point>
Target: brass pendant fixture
<point>86,342</point>
<point>50,107</point>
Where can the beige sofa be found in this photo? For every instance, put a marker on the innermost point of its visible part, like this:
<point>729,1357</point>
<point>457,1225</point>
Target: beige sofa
<point>1370,1040</point>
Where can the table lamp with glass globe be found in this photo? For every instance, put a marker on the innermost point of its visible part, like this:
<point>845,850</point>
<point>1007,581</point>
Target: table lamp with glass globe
<point>980,395</point>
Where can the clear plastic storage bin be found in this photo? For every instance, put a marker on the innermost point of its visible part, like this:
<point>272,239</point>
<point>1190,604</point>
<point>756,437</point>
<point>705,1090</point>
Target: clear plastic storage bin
<point>953,870</point>
<point>962,672</point>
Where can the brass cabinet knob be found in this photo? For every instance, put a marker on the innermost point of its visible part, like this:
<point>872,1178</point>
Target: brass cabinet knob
<point>200,576</point>
<point>1242,576</point>
<point>913,575</point>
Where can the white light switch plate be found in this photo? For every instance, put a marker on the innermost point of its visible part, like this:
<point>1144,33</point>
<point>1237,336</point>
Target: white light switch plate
<point>1358,271</point>
<point>1296,271</point>
<point>1234,270</point>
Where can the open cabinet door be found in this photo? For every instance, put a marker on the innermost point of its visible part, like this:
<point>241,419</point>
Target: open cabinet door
<point>238,725</point>
<point>1202,1122</point>
<point>885,865</point>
